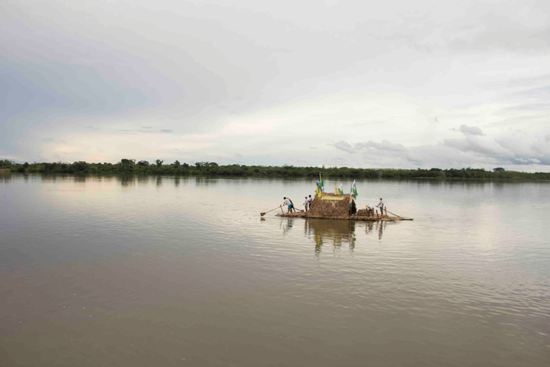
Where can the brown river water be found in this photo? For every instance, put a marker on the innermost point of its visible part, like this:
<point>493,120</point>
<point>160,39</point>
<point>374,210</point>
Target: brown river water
<point>182,272</point>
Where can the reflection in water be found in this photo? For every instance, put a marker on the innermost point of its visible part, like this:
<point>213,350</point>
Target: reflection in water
<point>126,180</point>
<point>287,224</point>
<point>377,227</point>
<point>5,177</point>
<point>79,179</point>
<point>336,232</point>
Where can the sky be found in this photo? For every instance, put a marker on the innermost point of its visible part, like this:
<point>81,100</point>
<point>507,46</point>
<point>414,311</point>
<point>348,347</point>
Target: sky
<point>395,83</point>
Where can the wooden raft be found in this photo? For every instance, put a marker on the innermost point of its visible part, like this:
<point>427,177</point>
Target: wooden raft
<point>337,206</point>
<point>385,218</point>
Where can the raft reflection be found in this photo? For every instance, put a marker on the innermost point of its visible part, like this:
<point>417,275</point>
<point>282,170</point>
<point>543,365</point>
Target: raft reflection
<point>337,232</point>
<point>334,232</point>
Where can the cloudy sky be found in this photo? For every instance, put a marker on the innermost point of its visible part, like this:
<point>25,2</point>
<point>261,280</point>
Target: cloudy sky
<point>392,83</point>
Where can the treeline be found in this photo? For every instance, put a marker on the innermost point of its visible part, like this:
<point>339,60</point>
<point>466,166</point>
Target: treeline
<point>212,169</point>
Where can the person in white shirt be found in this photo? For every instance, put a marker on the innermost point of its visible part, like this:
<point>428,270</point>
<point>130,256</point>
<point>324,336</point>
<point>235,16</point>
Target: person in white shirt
<point>309,201</point>
<point>381,206</point>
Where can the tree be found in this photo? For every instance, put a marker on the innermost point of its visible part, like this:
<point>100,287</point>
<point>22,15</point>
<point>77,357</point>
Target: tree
<point>159,162</point>
<point>79,166</point>
<point>127,164</point>
<point>498,169</point>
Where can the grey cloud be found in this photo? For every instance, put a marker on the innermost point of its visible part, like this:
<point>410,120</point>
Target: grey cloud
<point>470,130</point>
<point>143,129</point>
<point>456,152</point>
<point>540,92</point>
<point>524,82</point>
<point>388,154</point>
<point>513,150</point>
<point>365,123</point>
<point>385,145</point>
<point>527,107</point>
<point>511,37</point>
<point>345,146</point>
<point>472,144</point>
<point>370,145</point>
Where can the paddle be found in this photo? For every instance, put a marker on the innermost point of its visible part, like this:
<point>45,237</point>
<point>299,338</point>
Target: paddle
<point>270,210</point>
<point>398,216</point>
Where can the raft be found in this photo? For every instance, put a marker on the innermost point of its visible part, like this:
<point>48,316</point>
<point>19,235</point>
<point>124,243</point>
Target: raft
<point>363,218</point>
<point>340,206</point>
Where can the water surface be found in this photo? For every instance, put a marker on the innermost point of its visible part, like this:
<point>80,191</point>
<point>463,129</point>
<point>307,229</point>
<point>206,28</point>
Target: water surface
<point>175,272</point>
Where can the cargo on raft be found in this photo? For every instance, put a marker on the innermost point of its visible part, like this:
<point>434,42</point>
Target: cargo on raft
<point>340,206</point>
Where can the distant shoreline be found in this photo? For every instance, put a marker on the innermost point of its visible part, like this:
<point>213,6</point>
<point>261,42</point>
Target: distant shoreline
<point>211,169</point>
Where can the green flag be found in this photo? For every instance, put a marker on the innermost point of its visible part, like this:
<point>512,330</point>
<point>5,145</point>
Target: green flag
<point>353,190</point>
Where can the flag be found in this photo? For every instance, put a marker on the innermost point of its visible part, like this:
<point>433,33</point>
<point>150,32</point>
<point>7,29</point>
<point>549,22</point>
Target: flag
<point>320,186</point>
<point>353,190</point>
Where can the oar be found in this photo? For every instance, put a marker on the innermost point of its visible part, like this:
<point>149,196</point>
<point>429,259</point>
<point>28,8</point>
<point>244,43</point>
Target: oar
<point>398,216</point>
<point>270,210</point>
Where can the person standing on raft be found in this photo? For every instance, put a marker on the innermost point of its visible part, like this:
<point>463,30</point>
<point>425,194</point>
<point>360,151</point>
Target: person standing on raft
<point>289,204</point>
<point>381,206</point>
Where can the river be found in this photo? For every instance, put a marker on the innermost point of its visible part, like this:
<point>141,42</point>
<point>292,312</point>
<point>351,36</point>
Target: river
<point>183,272</point>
